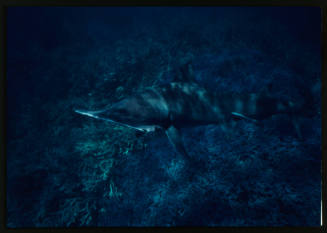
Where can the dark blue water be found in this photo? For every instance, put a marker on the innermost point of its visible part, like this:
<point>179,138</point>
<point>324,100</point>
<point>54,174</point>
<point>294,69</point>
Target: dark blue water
<point>68,170</point>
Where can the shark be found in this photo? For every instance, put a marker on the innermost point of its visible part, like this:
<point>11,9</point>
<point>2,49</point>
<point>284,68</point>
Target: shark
<point>185,103</point>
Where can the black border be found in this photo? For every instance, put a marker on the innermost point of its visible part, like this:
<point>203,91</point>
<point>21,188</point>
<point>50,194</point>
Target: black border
<point>313,3</point>
<point>317,3</point>
<point>324,113</point>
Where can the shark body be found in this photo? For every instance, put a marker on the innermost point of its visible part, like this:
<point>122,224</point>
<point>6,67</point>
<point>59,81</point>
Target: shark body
<point>184,103</point>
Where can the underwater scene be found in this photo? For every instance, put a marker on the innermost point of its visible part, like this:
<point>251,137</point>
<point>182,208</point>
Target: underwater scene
<point>163,116</point>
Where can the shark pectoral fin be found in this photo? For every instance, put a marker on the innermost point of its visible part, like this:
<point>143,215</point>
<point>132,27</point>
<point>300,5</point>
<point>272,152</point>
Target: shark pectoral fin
<point>192,166</point>
<point>237,115</point>
<point>92,114</point>
<point>95,114</point>
<point>175,139</point>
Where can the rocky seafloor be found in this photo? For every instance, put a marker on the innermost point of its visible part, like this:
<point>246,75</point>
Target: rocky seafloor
<point>66,170</point>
